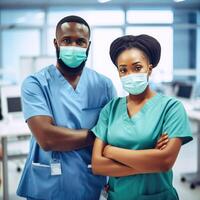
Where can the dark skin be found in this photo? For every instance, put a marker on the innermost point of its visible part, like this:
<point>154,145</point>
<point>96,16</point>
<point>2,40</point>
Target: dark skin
<point>49,136</point>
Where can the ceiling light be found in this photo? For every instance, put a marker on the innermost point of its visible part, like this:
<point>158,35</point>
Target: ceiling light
<point>103,1</point>
<point>178,0</point>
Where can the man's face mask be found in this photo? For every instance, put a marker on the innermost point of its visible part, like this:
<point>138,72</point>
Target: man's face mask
<point>72,56</point>
<point>135,83</point>
<point>72,59</point>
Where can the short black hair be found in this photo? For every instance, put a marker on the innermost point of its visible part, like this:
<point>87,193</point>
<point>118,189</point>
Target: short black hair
<point>72,18</point>
<point>147,44</point>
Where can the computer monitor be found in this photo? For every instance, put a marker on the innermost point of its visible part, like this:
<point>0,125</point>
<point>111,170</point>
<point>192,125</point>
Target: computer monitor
<point>184,90</point>
<point>14,104</point>
<point>11,102</point>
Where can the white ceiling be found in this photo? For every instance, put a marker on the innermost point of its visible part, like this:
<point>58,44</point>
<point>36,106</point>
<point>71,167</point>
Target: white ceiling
<point>85,3</point>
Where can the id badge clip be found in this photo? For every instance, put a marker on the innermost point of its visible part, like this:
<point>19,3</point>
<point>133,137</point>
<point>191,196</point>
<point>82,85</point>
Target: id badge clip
<point>55,167</point>
<point>105,190</point>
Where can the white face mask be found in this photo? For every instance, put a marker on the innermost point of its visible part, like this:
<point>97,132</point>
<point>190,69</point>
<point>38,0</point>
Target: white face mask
<point>135,83</point>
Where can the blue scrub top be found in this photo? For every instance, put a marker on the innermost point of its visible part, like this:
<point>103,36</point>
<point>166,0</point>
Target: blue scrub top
<point>141,131</point>
<point>48,93</point>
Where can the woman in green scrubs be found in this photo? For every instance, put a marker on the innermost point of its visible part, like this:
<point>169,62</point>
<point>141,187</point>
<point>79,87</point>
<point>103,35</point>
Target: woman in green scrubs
<point>128,127</point>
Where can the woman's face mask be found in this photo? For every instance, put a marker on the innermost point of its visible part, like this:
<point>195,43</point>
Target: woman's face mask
<point>135,83</point>
<point>72,56</point>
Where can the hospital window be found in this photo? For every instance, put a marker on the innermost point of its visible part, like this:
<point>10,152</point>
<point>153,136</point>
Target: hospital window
<point>184,48</point>
<point>186,37</point>
<point>101,62</point>
<point>17,43</point>
<point>93,17</point>
<point>150,16</point>
<point>15,18</point>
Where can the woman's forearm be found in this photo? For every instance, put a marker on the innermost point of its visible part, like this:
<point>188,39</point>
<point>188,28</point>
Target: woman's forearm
<point>147,161</point>
<point>108,167</point>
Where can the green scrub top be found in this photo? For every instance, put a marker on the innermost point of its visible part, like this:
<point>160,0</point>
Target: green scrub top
<point>141,131</point>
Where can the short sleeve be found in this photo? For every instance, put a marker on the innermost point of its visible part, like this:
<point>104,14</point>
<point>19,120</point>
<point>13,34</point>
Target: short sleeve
<point>34,102</point>
<point>111,90</point>
<point>176,123</point>
<point>100,129</point>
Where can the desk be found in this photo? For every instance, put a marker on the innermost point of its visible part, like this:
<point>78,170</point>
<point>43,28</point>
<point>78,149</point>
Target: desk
<point>10,129</point>
<point>194,115</point>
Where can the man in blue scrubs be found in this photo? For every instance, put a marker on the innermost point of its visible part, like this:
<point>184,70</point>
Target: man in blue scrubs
<point>60,104</point>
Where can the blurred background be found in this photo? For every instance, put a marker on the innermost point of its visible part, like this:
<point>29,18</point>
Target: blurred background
<point>27,30</point>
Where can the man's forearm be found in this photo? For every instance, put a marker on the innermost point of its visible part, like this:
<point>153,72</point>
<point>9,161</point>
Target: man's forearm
<point>74,139</point>
<point>55,138</point>
<point>65,139</point>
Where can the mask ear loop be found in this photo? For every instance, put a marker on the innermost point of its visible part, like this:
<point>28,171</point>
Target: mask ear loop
<point>87,51</point>
<point>57,48</point>
<point>149,71</point>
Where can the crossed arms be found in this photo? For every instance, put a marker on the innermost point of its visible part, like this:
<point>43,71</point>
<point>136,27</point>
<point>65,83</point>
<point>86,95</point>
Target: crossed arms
<point>114,161</point>
<point>54,138</point>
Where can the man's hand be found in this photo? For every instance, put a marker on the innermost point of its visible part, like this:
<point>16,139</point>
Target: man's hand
<point>162,142</point>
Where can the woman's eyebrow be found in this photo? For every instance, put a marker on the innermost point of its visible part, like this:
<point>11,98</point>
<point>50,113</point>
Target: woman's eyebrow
<point>122,65</point>
<point>138,62</point>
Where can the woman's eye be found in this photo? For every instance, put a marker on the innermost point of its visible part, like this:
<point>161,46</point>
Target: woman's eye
<point>138,68</point>
<point>122,70</point>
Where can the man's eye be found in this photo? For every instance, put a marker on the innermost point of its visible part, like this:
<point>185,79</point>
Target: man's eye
<point>80,42</point>
<point>68,41</point>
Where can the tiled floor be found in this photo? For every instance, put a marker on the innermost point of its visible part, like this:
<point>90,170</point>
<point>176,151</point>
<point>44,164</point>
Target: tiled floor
<point>186,162</point>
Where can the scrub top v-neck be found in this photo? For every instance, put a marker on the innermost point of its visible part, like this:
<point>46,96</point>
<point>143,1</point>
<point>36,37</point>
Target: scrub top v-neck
<point>141,131</point>
<point>80,86</point>
<point>48,93</point>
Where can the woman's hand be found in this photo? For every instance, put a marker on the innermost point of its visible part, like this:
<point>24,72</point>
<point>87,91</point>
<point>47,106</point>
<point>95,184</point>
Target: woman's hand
<point>162,142</point>
<point>106,150</point>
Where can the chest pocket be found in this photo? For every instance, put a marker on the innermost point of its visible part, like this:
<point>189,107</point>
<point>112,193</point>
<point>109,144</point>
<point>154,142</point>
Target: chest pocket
<point>90,117</point>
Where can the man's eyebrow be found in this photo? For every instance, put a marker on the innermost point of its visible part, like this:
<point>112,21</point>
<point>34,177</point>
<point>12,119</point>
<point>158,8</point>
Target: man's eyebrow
<point>70,37</point>
<point>82,39</point>
<point>66,37</point>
